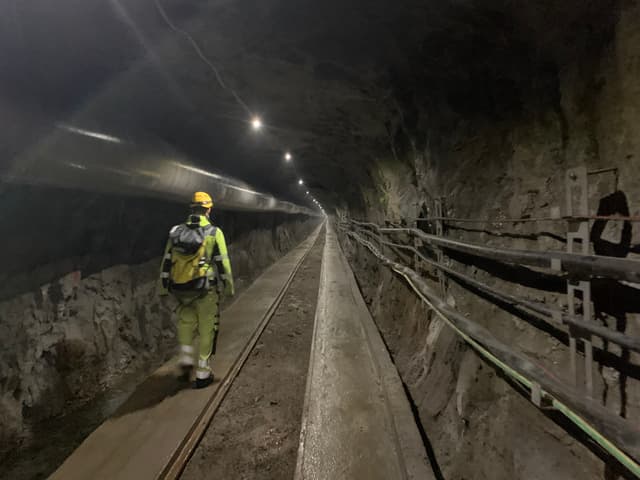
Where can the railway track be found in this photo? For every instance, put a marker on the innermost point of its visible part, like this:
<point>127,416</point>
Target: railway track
<point>187,447</point>
<point>155,432</point>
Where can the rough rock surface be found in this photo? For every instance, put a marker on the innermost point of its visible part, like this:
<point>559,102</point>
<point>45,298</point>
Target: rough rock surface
<point>510,163</point>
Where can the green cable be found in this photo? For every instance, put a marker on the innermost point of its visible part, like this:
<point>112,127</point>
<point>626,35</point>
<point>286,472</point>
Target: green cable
<point>581,423</point>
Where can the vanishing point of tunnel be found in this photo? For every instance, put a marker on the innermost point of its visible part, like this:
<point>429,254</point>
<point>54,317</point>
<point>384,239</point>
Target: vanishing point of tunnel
<point>320,240</point>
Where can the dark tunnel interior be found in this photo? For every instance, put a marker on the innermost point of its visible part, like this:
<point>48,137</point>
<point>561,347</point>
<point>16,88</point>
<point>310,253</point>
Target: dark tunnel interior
<point>470,115</point>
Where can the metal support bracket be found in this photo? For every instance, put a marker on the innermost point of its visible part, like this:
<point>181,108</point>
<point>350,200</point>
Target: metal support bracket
<point>417,244</point>
<point>536,394</point>
<point>439,214</point>
<point>538,399</point>
<point>579,294</point>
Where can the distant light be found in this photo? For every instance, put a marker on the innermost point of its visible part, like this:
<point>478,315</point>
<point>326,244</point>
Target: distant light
<point>300,182</point>
<point>198,170</point>
<point>307,192</point>
<point>256,123</point>
<point>287,157</point>
<point>89,133</point>
<point>77,165</point>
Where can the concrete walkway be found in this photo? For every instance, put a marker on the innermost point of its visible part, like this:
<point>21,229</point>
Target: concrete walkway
<point>357,423</point>
<point>144,434</point>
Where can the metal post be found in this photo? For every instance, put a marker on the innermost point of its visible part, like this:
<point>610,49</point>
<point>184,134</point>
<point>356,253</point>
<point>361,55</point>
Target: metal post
<point>417,243</point>
<point>577,191</point>
<point>439,214</point>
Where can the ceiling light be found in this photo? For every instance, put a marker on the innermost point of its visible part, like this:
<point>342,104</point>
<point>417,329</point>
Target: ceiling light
<point>89,133</point>
<point>287,157</point>
<point>300,182</point>
<point>256,123</point>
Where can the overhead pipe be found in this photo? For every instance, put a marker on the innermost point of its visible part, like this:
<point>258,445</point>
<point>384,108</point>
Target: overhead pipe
<point>81,159</point>
<point>539,310</point>
<point>572,263</point>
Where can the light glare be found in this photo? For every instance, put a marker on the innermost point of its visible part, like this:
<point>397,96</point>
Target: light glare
<point>89,133</point>
<point>287,157</point>
<point>256,123</point>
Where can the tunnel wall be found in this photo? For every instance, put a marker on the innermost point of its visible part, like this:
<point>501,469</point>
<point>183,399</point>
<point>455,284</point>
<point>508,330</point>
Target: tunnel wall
<point>78,303</point>
<point>509,161</point>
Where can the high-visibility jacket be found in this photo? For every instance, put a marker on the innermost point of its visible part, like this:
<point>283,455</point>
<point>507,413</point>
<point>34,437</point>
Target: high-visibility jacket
<point>216,253</point>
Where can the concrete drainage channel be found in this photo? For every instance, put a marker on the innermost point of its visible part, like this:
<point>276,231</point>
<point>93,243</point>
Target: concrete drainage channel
<point>318,396</point>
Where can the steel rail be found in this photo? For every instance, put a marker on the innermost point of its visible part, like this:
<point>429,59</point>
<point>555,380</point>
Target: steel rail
<point>583,266</point>
<point>615,435</point>
<point>539,310</point>
<point>183,453</point>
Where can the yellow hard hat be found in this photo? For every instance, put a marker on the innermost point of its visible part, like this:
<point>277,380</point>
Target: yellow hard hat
<point>201,199</point>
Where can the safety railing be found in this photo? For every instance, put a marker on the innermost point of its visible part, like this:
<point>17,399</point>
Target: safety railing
<point>614,434</point>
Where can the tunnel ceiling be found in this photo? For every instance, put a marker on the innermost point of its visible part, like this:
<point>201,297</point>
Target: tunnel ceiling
<point>333,80</point>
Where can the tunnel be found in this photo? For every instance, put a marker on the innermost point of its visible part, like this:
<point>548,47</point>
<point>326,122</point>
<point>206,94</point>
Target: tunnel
<point>431,219</point>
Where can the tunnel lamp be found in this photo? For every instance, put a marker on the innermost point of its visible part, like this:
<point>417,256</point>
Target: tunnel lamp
<point>300,182</point>
<point>256,123</point>
<point>307,193</point>
<point>287,157</point>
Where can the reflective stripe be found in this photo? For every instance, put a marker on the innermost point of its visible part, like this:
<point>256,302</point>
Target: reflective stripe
<point>167,256</point>
<point>164,275</point>
<point>186,360</point>
<point>219,258</point>
<point>224,276</point>
<point>203,370</point>
<point>187,349</point>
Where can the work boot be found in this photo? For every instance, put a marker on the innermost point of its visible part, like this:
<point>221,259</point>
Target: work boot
<point>203,382</point>
<point>204,375</point>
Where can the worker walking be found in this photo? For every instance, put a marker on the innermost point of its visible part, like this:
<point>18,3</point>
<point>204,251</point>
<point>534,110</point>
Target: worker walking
<point>197,271</point>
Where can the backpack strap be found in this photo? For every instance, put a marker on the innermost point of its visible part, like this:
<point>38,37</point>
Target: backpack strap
<point>209,230</point>
<point>213,274</point>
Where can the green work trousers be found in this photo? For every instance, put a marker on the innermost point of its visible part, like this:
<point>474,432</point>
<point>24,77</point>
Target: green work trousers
<point>199,311</point>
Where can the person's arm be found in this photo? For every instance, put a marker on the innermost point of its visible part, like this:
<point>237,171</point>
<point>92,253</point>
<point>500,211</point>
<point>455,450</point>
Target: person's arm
<point>223,263</point>
<point>165,269</point>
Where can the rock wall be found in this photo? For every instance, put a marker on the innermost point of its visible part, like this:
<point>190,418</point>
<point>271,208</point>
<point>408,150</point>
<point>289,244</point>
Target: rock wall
<point>509,161</point>
<point>75,326</point>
